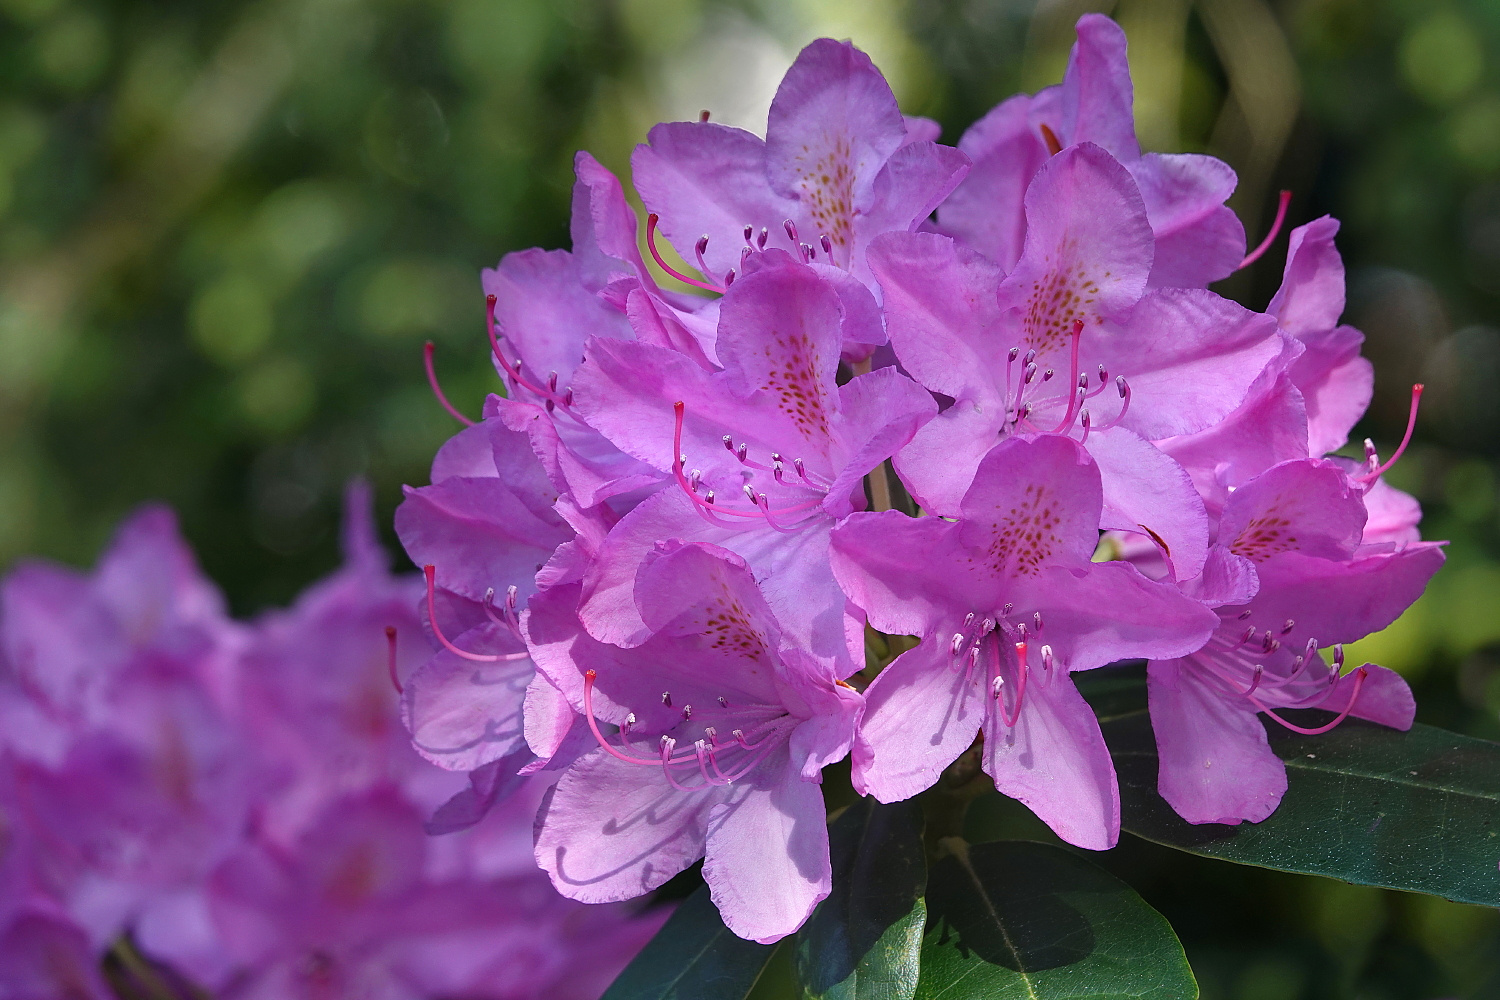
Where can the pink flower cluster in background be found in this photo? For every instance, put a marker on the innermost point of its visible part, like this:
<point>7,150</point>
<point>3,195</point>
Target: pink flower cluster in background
<point>236,807</point>
<point>652,563</point>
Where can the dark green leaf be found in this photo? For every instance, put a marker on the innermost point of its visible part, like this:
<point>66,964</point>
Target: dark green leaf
<point>864,941</point>
<point>693,957</point>
<point>1117,689</point>
<point>1417,810</point>
<point>1021,921</point>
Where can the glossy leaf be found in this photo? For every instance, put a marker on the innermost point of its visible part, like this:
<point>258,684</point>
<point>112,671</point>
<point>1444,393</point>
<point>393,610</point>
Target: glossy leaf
<point>1022,921</point>
<point>864,941</point>
<point>693,957</point>
<point>1418,810</point>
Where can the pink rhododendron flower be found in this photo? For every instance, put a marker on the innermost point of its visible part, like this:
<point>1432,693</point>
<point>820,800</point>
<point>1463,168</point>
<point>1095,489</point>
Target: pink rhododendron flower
<point>839,165</point>
<point>1291,574</point>
<point>1007,604</point>
<point>766,453</point>
<point>1071,340</point>
<point>1197,239</point>
<point>724,728</point>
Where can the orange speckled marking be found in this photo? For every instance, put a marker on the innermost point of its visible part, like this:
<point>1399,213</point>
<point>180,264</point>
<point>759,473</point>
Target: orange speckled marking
<point>793,379</point>
<point>1063,295</point>
<point>1264,537</point>
<point>827,187</point>
<point>726,625</point>
<point>1026,536</point>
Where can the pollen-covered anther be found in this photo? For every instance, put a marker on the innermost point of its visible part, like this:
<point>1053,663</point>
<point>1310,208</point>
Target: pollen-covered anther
<point>666,698</point>
<point>1290,624</point>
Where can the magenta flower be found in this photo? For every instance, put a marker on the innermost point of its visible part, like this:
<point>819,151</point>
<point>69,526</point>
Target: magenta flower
<point>724,728</point>
<point>1070,341</point>
<point>364,904</point>
<point>1197,238</point>
<point>124,779</point>
<point>1303,404</point>
<point>766,454</point>
<point>839,165</point>
<point>486,529</point>
<point>1291,574</point>
<point>1007,603</point>
<point>544,305</point>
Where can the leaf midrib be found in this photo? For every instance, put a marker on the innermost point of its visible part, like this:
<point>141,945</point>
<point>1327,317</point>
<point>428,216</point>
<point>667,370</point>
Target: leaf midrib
<point>962,857</point>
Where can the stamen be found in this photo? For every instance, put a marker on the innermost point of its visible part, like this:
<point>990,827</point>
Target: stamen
<point>588,714</point>
<point>666,698</point>
<point>513,371</point>
<point>723,701</point>
<point>1047,659</point>
<point>1021,671</point>
<point>1077,398</point>
<point>698,250</point>
<point>1260,672</point>
<point>430,572</point>
<point>1265,244</point>
<point>827,245</point>
<point>760,241</point>
<point>702,116</point>
<point>651,222</point>
<point>1245,614</point>
<point>1359,682</point>
<point>749,232</point>
<point>1125,394</point>
<point>1290,624</point>
<point>1083,419</point>
<point>791,230</point>
<point>437,390</point>
<point>687,713</point>
<point>957,645</point>
<point>390,658</point>
<point>1411,424</point>
<point>1037,620</point>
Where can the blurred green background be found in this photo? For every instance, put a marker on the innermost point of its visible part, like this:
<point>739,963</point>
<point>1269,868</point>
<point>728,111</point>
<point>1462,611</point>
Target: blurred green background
<point>227,226</point>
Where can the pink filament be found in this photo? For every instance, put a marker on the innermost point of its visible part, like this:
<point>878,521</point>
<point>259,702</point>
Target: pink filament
<point>1074,400</point>
<point>1265,244</point>
<point>431,573</point>
<point>513,373</point>
<point>437,390</point>
<point>1359,682</point>
<point>651,221</point>
<point>390,658</point>
<point>1011,721</point>
<point>1411,424</point>
<point>679,410</point>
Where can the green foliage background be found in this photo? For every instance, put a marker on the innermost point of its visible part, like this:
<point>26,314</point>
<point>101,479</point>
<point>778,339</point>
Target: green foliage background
<point>227,226</point>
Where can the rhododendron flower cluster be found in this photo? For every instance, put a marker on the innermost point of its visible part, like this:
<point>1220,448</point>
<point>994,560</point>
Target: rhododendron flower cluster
<point>236,808</point>
<point>652,563</point>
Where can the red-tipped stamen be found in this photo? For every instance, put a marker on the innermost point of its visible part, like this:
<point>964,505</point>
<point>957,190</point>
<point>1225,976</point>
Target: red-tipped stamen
<point>1075,400</point>
<point>651,222</point>
<point>513,372</point>
<point>1359,681</point>
<point>1265,244</point>
<point>1411,424</point>
<point>431,573</point>
<point>588,714</point>
<point>437,390</point>
<point>390,658</point>
<point>706,507</point>
<point>1021,672</point>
